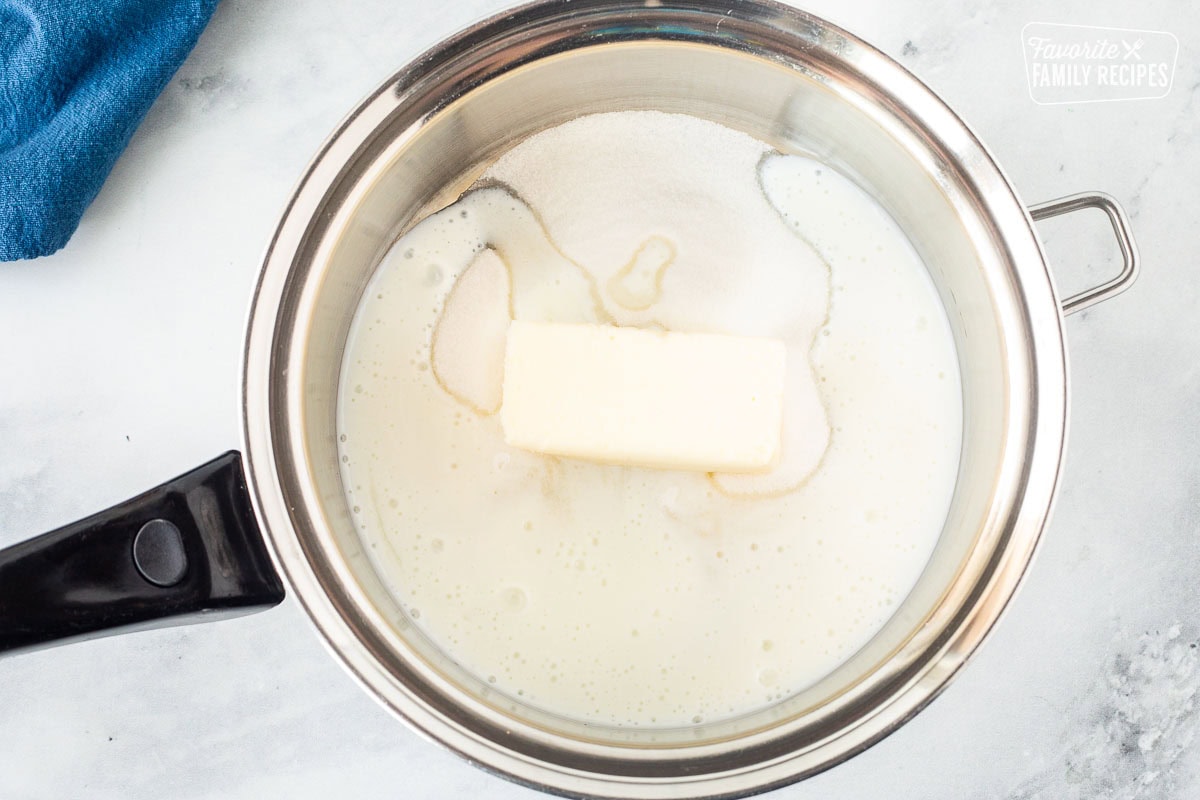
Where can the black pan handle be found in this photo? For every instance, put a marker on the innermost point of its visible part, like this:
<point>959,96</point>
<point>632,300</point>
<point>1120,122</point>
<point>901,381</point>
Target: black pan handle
<point>187,551</point>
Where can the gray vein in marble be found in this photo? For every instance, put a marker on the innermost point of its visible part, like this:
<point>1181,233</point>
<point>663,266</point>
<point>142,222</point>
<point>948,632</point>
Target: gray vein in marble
<point>1126,738</point>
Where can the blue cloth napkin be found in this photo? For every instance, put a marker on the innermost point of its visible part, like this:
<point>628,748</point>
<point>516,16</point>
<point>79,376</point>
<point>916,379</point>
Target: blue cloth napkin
<point>76,78</point>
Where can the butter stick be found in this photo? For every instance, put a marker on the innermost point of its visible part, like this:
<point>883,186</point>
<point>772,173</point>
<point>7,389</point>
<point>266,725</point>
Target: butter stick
<point>690,401</point>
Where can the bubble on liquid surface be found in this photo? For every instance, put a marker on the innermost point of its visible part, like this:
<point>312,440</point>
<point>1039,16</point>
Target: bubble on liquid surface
<point>513,599</point>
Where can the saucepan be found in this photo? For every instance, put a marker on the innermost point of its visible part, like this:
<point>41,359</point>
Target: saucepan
<point>229,536</point>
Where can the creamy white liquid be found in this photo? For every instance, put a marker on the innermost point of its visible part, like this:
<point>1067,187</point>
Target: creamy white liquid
<point>633,596</point>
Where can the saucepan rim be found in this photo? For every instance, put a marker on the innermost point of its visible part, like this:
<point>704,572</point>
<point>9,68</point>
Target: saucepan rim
<point>275,462</point>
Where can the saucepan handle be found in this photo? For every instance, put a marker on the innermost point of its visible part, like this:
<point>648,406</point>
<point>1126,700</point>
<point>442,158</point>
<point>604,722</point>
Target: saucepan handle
<point>1120,226</point>
<point>185,551</point>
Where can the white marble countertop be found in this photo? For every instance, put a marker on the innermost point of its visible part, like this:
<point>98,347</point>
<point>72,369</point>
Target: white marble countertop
<point>120,361</point>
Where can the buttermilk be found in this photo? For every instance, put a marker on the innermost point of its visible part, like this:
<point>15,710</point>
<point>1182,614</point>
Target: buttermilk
<point>633,596</point>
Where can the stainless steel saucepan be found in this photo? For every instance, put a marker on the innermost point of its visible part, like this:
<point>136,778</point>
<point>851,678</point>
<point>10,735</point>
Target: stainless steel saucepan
<point>192,547</point>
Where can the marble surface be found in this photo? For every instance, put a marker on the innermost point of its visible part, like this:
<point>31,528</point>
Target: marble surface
<point>119,365</point>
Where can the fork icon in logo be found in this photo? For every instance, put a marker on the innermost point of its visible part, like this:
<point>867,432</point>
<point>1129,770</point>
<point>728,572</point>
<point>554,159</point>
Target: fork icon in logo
<point>1131,50</point>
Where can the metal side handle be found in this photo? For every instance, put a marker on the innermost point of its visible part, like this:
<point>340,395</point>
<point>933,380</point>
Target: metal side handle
<point>1120,226</point>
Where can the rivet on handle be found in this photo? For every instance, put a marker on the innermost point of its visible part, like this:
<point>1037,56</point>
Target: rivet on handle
<point>1120,225</point>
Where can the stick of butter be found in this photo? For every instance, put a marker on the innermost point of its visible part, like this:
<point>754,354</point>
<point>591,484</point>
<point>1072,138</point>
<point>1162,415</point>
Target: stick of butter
<point>694,401</point>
